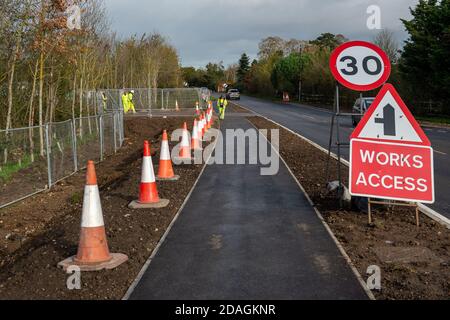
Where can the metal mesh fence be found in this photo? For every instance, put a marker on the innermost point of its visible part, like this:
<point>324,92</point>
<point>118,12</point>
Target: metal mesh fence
<point>33,159</point>
<point>62,155</point>
<point>88,140</point>
<point>148,100</point>
<point>23,166</point>
<point>108,134</point>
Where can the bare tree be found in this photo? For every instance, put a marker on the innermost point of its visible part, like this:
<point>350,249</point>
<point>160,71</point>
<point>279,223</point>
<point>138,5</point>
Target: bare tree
<point>385,39</point>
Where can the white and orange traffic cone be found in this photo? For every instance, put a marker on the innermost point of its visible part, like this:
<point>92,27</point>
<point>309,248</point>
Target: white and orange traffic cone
<point>93,252</point>
<point>210,115</point>
<point>148,191</point>
<point>165,170</point>
<point>206,121</point>
<point>185,147</point>
<point>203,124</point>
<point>195,141</point>
<point>197,108</point>
<point>200,128</point>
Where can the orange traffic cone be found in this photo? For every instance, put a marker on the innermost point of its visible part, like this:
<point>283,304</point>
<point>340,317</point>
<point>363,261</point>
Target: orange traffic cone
<point>200,128</point>
<point>93,252</point>
<point>197,108</point>
<point>203,124</point>
<point>206,120</point>
<point>210,116</point>
<point>165,171</point>
<point>148,191</point>
<point>185,148</point>
<point>195,143</point>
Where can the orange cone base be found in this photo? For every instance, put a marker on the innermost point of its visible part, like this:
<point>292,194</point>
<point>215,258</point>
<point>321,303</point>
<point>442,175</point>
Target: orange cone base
<point>174,178</point>
<point>162,203</point>
<point>116,260</point>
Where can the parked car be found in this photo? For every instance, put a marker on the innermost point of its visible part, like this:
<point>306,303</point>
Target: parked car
<point>365,103</point>
<point>233,94</point>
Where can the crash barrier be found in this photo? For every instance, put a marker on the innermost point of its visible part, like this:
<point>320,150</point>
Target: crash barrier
<point>33,159</point>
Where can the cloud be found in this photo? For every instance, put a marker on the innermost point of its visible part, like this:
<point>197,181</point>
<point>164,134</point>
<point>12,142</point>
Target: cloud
<point>220,30</point>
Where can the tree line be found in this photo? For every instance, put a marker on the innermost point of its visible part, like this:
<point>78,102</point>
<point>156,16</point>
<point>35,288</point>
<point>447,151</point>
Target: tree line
<point>45,65</point>
<point>420,70</point>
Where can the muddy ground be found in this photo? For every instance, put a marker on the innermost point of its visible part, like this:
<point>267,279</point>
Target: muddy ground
<point>37,233</point>
<point>414,261</point>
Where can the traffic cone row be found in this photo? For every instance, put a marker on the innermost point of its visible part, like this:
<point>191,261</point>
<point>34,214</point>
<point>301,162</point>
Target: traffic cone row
<point>93,252</point>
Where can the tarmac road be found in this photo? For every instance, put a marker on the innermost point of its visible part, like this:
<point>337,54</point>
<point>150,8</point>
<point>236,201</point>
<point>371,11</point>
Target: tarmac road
<point>314,124</point>
<point>244,236</point>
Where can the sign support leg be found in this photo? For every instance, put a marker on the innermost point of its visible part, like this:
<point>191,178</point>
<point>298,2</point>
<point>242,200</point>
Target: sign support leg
<point>369,210</point>
<point>417,215</point>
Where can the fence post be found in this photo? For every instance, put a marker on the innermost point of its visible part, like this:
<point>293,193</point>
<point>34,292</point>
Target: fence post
<point>49,163</point>
<point>74,145</point>
<point>122,130</point>
<point>100,120</point>
<point>115,121</point>
<point>149,96</point>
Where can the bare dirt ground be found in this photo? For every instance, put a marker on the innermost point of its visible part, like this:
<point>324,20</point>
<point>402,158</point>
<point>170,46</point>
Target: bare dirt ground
<point>24,182</point>
<point>414,261</point>
<point>37,233</point>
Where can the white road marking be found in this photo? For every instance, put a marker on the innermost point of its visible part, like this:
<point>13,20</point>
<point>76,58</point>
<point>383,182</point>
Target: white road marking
<point>309,117</point>
<point>443,153</point>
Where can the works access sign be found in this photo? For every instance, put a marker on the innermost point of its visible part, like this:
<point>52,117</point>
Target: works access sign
<point>390,155</point>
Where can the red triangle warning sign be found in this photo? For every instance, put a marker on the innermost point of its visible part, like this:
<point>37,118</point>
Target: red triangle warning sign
<point>389,119</point>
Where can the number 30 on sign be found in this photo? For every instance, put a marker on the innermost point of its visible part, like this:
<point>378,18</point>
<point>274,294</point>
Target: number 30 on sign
<point>360,65</point>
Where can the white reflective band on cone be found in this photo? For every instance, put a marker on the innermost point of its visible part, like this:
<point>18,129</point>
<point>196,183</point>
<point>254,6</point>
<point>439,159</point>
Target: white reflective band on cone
<point>195,133</point>
<point>165,153</point>
<point>148,175</point>
<point>92,215</point>
<point>185,139</point>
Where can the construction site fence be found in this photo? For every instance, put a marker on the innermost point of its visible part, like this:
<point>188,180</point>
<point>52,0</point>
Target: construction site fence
<point>148,99</point>
<point>33,159</point>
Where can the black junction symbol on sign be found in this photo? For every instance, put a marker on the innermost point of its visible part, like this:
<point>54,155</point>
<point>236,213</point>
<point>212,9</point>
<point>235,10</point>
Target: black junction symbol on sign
<point>388,120</point>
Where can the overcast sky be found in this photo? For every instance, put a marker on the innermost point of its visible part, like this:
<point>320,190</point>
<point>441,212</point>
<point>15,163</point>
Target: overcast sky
<point>221,30</point>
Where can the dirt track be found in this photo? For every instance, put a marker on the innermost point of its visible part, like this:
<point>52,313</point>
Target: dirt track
<point>393,240</point>
<point>41,231</point>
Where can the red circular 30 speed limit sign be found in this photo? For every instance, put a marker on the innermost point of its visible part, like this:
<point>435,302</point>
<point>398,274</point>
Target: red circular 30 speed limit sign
<point>360,65</point>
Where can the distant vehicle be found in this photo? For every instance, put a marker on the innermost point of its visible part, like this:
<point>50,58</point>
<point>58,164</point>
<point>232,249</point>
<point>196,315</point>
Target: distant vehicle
<point>365,103</point>
<point>233,94</point>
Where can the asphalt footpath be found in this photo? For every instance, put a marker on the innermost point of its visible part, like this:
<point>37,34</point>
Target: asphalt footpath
<point>244,236</point>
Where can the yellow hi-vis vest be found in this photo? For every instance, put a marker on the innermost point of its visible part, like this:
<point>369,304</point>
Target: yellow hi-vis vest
<point>125,101</point>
